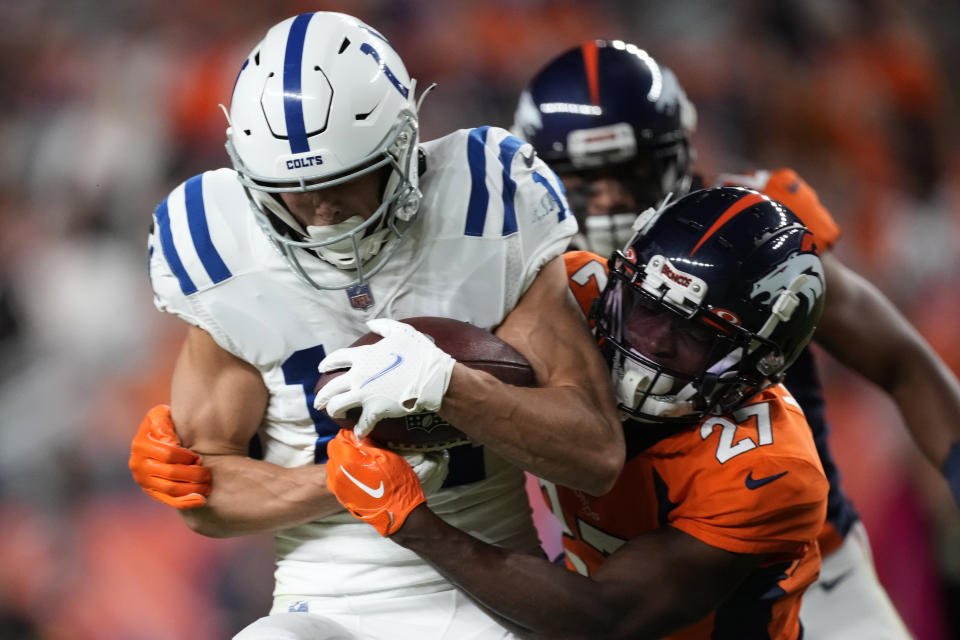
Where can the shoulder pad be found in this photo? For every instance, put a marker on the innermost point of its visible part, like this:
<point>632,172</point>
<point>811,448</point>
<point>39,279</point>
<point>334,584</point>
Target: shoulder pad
<point>503,178</point>
<point>200,230</point>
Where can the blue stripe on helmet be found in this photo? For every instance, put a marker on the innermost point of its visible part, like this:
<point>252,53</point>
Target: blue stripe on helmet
<point>508,149</point>
<point>292,93</point>
<point>200,232</point>
<point>373,32</point>
<point>546,183</point>
<point>368,49</point>
<point>162,216</point>
<point>479,195</point>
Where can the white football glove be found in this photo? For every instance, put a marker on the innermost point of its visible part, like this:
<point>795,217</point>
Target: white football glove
<point>404,373</point>
<point>431,468</point>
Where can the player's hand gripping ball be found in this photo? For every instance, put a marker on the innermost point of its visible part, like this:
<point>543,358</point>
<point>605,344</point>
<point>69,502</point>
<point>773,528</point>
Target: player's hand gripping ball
<point>423,345</point>
<point>374,484</point>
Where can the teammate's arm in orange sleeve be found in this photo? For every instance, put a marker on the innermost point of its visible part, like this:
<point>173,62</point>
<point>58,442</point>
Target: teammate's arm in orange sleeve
<point>863,330</point>
<point>218,402</point>
<point>166,471</point>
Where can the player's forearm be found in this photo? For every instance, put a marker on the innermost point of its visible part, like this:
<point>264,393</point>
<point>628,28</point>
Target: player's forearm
<point>926,393</point>
<point>556,433</point>
<point>251,496</point>
<point>893,355</point>
<point>529,593</point>
<point>928,397</point>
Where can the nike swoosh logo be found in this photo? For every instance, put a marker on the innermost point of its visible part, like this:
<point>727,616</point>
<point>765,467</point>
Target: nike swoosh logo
<point>528,160</point>
<point>830,585</point>
<point>759,482</point>
<point>373,493</point>
<point>394,365</point>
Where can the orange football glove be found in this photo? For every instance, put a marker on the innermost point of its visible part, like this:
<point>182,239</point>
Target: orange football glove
<point>376,485</point>
<point>166,471</point>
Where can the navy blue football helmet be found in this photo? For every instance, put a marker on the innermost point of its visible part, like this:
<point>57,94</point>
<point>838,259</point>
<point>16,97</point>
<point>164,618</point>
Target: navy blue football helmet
<point>609,109</point>
<point>730,268</point>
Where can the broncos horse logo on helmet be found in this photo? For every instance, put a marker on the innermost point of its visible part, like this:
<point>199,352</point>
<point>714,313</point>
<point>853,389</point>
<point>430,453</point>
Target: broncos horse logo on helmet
<point>728,266</point>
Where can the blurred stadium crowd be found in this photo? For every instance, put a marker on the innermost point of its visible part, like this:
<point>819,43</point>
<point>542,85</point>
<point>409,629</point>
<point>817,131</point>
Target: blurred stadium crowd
<point>108,104</point>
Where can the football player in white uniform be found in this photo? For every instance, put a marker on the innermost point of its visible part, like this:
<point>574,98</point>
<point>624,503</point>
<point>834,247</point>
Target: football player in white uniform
<point>615,125</point>
<point>333,215</point>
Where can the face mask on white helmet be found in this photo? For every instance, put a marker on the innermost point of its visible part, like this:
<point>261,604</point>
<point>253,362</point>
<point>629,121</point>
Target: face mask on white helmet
<point>323,100</point>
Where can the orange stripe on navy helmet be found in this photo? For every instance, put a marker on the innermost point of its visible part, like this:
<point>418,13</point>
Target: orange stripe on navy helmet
<point>591,67</point>
<point>737,207</point>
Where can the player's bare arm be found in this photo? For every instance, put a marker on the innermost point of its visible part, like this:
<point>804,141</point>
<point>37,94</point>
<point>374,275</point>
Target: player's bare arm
<point>566,430</point>
<point>654,584</point>
<point>864,331</point>
<point>167,472</point>
<point>218,402</point>
<point>658,582</point>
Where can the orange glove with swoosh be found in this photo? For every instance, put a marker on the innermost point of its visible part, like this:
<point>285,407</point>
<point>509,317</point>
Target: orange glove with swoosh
<point>166,471</point>
<point>374,484</point>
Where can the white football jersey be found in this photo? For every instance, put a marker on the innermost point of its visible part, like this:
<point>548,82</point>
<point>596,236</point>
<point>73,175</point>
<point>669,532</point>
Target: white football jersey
<point>492,215</point>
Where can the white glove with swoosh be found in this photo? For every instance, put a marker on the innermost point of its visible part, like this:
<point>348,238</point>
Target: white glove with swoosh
<point>403,373</point>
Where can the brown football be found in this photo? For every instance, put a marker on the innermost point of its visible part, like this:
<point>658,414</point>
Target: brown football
<point>468,345</point>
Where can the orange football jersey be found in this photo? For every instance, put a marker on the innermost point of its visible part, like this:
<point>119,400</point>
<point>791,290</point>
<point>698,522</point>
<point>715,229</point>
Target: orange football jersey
<point>586,275</point>
<point>750,482</point>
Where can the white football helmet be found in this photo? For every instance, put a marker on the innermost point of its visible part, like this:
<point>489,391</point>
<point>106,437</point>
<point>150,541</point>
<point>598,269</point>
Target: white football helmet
<point>321,100</point>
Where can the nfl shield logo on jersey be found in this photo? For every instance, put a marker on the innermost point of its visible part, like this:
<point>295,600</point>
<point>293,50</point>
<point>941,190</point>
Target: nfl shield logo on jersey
<point>360,296</point>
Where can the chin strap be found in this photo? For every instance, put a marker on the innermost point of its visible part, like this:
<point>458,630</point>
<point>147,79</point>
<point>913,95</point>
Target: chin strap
<point>782,310</point>
<point>786,303</point>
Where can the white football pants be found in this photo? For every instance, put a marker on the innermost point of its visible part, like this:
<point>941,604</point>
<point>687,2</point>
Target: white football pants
<point>446,615</point>
<point>847,601</point>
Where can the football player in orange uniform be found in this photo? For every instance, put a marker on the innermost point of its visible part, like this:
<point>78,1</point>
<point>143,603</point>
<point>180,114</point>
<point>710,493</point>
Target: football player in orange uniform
<point>710,530</point>
<point>615,125</point>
